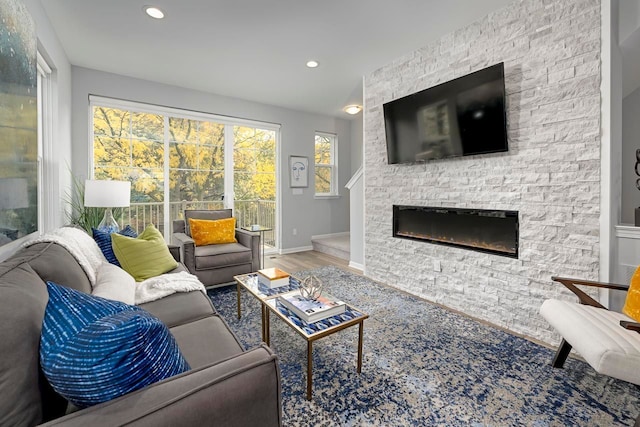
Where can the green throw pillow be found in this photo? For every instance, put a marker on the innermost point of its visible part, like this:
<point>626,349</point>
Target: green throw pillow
<point>144,256</point>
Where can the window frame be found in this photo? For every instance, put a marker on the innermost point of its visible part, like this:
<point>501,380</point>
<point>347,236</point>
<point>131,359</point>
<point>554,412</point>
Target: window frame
<point>46,154</point>
<point>332,166</point>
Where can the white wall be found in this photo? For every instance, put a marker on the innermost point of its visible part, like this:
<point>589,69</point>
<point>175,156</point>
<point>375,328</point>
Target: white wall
<point>50,47</point>
<point>551,174</point>
<point>629,18</point>
<point>611,147</point>
<point>308,215</point>
<point>356,196</point>
<point>630,142</point>
<point>356,214</point>
<point>356,143</point>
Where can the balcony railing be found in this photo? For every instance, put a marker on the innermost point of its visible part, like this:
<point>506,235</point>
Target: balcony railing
<point>246,212</point>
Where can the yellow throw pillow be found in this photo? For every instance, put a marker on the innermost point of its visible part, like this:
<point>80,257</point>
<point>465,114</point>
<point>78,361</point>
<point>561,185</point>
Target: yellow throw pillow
<point>632,303</point>
<point>144,256</point>
<point>213,232</point>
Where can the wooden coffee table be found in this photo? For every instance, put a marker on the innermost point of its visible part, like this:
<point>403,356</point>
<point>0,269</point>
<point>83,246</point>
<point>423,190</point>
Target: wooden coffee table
<point>309,331</point>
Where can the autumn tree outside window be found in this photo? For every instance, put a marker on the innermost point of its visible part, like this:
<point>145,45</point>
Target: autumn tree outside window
<point>176,158</point>
<point>326,165</point>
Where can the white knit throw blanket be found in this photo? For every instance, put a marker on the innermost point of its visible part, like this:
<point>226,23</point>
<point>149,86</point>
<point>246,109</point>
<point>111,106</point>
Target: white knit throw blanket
<point>167,284</point>
<point>86,251</point>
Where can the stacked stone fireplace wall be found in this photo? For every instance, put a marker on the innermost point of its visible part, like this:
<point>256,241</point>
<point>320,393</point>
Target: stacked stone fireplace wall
<point>551,173</point>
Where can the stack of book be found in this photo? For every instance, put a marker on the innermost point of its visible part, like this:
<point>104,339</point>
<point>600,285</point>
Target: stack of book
<point>312,310</point>
<point>273,277</point>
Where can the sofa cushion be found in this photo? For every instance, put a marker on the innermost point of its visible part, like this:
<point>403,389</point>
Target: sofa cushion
<point>145,256</point>
<point>204,214</point>
<point>115,284</point>
<point>224,255</point>
<point>596,334</point>
<point>180,308</point>
<point>93,350</point>
<point>103,239</point>
<point>220,343</point>
<point>84,250</point>
<point>213,232</point>
<point>54,263</point>
<point>23,298</point>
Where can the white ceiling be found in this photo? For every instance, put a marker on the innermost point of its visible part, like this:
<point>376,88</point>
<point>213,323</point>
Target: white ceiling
<point>257,49</point>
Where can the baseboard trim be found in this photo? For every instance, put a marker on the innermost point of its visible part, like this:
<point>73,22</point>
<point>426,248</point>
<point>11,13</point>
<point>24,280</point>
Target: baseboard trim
<point>294,250</point>
<point>325,236</point>
<point>356,265</point>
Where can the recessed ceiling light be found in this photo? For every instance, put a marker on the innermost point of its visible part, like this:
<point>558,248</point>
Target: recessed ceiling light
<point>153,12</point>
<point>312,64</point>
<point>352,109</point>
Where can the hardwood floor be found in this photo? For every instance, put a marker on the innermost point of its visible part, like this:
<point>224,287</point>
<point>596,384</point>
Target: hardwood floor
<point>305,261</point>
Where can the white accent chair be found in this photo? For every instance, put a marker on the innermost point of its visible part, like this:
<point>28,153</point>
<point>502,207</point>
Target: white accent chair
<point>609,341</point>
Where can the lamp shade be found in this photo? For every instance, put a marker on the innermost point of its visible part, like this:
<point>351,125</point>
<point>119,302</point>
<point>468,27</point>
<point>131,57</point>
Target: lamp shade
<point>13,193</point>
<point>107,194</point>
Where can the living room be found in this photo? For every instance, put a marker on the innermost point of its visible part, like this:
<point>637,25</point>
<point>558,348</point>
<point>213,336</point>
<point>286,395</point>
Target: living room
<point>567,170</point>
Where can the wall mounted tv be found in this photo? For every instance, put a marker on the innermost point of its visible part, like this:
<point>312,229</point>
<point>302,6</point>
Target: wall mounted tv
<point>461,117</point>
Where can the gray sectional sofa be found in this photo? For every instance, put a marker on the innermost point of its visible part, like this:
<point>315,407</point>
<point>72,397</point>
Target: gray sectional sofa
<point>227,385</point>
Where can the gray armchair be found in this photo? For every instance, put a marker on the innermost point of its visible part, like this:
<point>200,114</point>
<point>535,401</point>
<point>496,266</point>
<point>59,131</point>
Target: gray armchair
<point>216,264</point>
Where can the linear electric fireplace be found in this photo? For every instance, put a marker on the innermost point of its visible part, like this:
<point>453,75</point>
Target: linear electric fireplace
<point>491,231</point>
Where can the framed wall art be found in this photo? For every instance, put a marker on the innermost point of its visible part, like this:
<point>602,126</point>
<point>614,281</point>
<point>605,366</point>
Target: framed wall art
<point>298,171</point>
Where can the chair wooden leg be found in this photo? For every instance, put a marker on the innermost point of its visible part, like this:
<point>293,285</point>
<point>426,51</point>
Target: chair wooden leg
<point>561,354</point>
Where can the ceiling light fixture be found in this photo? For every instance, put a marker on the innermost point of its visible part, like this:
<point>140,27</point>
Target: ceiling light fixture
<point>312,64</point>
<point>153,12</point>
<point>352,109</point>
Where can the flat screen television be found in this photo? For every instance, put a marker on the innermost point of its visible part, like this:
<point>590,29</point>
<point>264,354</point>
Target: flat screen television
<point>461,117</point>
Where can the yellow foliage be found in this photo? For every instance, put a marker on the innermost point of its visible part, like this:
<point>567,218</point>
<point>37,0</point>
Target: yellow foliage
<point>130,146</point>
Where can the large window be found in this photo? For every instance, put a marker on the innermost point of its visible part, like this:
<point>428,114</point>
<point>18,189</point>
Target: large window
<point>326,165</point>
<point>180,160</point>
<point>129,146</point>
<point>196,160</point>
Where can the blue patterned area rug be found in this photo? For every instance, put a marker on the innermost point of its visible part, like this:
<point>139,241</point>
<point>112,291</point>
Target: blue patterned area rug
<point>424,365</point>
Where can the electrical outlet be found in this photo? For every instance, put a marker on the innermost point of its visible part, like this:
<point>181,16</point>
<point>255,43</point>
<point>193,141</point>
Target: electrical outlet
<point>436,265</point>
<point>295,231</point>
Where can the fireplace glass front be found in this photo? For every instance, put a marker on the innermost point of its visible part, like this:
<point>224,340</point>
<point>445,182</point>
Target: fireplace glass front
<point>491,231</point>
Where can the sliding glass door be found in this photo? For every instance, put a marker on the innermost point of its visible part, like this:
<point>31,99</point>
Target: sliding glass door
<point>196,171</point>
<point>254,178</point>
<point>177,162</point>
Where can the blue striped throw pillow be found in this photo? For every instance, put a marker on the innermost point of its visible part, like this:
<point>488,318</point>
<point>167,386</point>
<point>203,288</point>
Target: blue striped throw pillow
<point>93,350</point>
<point>103,239</point>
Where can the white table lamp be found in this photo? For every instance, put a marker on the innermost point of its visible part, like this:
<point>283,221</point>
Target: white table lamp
<point>107,194</point>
